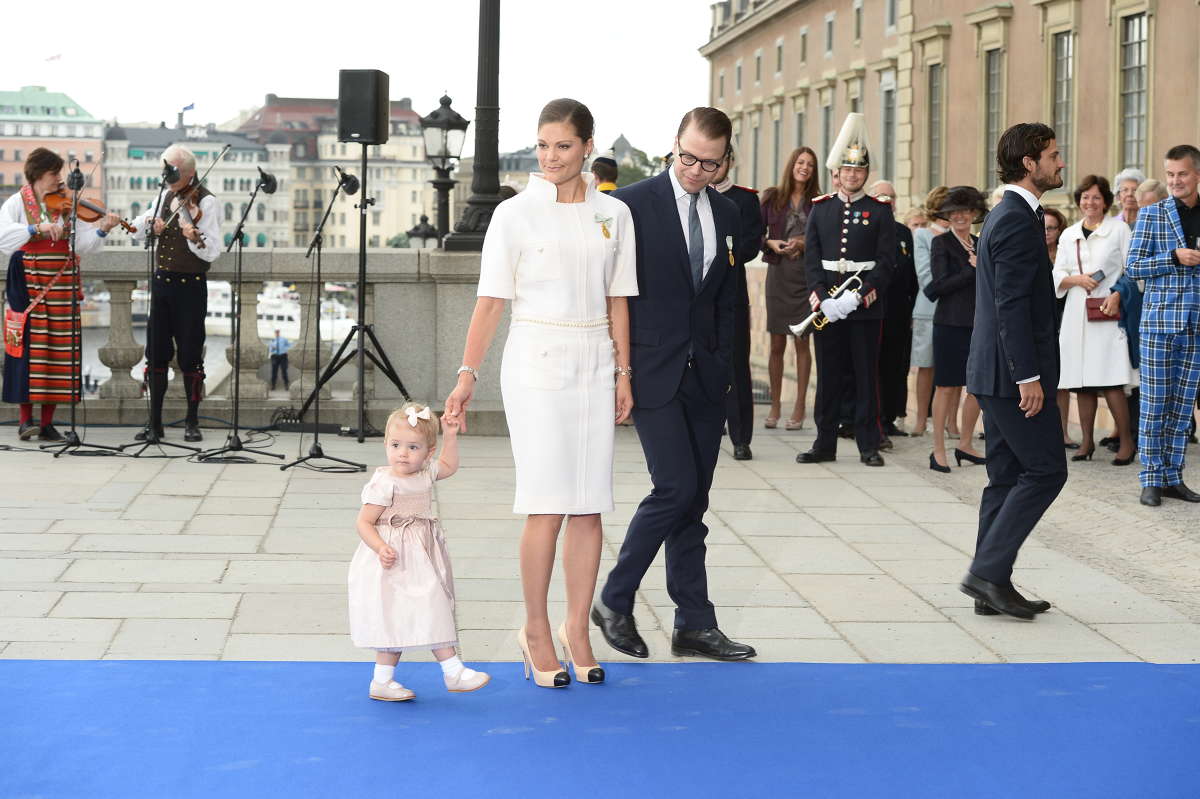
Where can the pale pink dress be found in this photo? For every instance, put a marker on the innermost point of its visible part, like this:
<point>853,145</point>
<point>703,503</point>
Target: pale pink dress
<point>410,605</point>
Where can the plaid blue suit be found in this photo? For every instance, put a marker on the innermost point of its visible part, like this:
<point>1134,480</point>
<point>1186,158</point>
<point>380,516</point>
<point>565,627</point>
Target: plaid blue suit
<point>1170,333</point>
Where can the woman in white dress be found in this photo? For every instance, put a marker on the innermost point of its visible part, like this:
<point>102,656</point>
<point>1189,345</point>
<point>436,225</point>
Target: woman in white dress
<point>563,254</point>
<point>1094,354</point>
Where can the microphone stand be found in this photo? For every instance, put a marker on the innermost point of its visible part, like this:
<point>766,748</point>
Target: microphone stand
<point>234,442</point>
<point>151,247</point>
<point>315,450</point>
<point>71,439</point>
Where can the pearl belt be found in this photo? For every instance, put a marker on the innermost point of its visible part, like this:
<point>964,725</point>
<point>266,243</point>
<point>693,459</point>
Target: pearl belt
<point>586,323</point>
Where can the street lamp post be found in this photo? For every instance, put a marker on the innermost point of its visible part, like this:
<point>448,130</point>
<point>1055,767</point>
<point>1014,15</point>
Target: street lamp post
<point>420,236</point>
<point>444,131</point>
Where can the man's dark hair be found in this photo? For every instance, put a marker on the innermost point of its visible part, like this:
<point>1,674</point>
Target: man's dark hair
<point>565,109</point>
<point>710,123</point>
<point>41,161</point>
<point>604,171</point>
<point>1099,182</point>
<point>1182,151</point>
<point>1022,139</point>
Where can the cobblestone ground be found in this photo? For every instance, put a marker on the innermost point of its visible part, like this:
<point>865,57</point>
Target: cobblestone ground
<point>152,558</point>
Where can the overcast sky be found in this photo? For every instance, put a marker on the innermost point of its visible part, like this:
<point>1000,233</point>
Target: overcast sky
<point>142,63</point>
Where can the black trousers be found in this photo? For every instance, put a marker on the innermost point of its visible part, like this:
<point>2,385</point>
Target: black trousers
<point>895,351</point>
<point>739,402</point>
<point>279,362</point>
<point>848,360</point>
<point>681,441</point>
<point>178,305</point>
<point>1027,468</point>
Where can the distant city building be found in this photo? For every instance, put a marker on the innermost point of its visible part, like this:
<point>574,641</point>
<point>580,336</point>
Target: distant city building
<point>33,117</point>
<point>133,160</point>
<point>397,178</point>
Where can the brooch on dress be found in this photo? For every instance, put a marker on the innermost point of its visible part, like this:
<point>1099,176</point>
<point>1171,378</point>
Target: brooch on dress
<point>604,222</point>
<point>729,247</point>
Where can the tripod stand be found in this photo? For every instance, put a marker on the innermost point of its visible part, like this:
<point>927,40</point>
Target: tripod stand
<point>71,440</point>
<point>234,442</point>
<point>350,185</point>
<point>152,439</point>
<point>360,329</point>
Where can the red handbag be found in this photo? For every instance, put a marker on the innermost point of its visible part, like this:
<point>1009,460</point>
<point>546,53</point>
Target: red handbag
<point>15,321</point>
<point>1092,304</point>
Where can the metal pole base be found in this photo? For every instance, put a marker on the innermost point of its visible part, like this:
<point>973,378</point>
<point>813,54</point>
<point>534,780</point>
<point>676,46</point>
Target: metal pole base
<point>71,442</point>
<point>315,452</point>
<point>234,444</point>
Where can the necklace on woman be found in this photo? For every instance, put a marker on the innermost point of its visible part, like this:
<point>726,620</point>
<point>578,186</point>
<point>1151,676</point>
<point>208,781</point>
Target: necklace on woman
<point>966,243</point>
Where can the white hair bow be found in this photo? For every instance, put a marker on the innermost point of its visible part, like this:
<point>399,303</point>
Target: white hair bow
<point>414,414</point>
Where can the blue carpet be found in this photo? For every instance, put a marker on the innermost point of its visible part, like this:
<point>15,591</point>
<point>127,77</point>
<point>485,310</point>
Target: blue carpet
<point>225,729</point>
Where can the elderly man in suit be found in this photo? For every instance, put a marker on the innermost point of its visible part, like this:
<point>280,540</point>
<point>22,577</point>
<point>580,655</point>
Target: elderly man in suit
<point>1165,252</point>
<point>1013,367</point>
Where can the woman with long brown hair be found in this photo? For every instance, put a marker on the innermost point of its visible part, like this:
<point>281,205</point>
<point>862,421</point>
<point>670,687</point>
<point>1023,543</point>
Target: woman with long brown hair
<point>785,211</point>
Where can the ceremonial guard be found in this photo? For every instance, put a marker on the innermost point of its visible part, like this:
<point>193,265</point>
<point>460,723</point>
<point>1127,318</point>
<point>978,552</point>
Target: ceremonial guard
<point>849,233</point>
<point>189,239</point>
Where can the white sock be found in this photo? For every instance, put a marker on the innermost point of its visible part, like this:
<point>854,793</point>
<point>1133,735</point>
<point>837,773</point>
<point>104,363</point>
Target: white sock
<point>383,673</point>
<point>452,666</point>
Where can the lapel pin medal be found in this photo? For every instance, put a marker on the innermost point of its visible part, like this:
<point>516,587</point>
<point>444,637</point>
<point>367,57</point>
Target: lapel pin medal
<point>729,247</point>
<point>604,221</point>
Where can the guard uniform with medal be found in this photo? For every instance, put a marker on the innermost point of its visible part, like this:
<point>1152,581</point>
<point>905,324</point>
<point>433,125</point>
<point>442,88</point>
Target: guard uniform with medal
<point>848,234</point>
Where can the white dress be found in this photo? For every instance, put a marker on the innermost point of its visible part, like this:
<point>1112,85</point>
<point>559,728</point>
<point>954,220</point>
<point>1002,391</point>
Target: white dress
<point>1093,354</point>
<point>558,263</point>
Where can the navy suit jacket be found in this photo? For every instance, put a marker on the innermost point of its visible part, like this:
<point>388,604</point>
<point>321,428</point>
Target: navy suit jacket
<point>1014,337</point>
<point>668,318</point>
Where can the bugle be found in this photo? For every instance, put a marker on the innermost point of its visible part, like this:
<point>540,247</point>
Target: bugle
<point>817,319</point>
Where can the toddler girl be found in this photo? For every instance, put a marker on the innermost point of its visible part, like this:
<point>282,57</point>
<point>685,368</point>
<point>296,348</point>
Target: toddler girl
<point>401,586</point>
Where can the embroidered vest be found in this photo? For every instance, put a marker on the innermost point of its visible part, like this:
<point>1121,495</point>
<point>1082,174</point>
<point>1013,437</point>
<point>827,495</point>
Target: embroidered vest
<point>173,251</point>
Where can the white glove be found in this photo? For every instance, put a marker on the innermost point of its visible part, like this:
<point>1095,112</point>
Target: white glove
<point>832,310</point>
<point>847,302</point>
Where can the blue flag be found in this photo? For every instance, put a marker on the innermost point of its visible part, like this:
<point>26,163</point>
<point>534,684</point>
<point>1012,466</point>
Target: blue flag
<point>189,106</point>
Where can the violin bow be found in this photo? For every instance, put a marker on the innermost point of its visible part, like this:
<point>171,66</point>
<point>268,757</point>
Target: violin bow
<point>200,181</point>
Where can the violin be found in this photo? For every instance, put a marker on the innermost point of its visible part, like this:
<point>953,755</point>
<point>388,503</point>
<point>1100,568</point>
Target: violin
<point>189,207</point>
<point>61,203</point>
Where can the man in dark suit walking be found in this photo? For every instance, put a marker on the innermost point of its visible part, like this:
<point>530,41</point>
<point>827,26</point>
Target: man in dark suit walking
<point>681,337</point>
<point>1013,368</point>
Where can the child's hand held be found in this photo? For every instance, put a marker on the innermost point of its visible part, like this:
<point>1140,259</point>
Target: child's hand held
<point>387,556</point>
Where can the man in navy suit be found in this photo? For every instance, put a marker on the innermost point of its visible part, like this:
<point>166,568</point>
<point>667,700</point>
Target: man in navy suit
<point>1013,368</point>
<point>681,338</point>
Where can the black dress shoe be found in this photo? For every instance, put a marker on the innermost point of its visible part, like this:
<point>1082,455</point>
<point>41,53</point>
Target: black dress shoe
<point>1002,598</point>
<point>1110,442</point>
<point>710,643</point>
<point>1152,496</point>
<point>619,630</point>
<point>1036,605</point>
<point>871,458</point>
<point>49,433</point>
<point>146,434</point>
<point>885,443</point>
<point>1178,491</point>
<point>890,429</point>
<point>741,452</point>
<point>1070,445</point>
<point>846,431</point>
<point>192,432</point>
<point>815,456</point>
<point>28,430</point>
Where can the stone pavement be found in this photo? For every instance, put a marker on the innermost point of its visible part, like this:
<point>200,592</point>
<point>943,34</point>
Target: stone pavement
<point>165,559</point>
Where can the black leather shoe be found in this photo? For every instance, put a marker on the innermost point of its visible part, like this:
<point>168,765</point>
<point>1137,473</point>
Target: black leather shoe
<point>741,452</point>
<point>871,458</point>
<point>619,630</point>
<point>710,643</point>
<point>192,432</point>
<point>28,430</point>
<point>1036,605</point>
<point>1152,496</point>
<point>886,444</point>
<point>1002,598</point>
<point>846,431</point>
<point>814,456</point>
<point>49,433</point>
<point>1180,491</point>
<point>890,429</point>
<point>146,434</point>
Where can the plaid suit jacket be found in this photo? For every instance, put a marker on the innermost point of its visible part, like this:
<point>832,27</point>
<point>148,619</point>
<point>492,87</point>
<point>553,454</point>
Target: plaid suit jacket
<point>1172,299</point>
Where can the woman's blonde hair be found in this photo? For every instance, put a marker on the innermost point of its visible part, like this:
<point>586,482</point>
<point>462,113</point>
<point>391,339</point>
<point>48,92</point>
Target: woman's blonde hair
<point>427,427</point>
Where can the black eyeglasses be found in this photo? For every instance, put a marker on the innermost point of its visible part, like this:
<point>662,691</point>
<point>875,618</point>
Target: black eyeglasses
<point>687,159</point>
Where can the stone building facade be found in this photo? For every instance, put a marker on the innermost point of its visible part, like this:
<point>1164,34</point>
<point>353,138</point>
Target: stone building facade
<point>33,117</point>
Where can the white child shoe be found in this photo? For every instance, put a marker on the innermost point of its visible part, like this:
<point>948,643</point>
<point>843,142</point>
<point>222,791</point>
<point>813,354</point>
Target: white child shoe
<point>466,680</point>
<point>390,691</point>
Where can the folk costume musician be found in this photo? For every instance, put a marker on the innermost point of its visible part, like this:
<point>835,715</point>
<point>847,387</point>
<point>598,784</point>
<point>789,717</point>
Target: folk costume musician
<point>849,232</point>
<point>36,241</point>
<point>188,225</point>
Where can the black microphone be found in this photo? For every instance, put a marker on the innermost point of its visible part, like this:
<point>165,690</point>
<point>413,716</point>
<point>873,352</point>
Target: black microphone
<point>348,182</point>
<point>75,178</point>
<point>170,173</point>
<point>267,181</point>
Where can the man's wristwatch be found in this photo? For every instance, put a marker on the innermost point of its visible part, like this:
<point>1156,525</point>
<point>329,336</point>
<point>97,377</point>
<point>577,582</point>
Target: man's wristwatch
<point>471,369</point>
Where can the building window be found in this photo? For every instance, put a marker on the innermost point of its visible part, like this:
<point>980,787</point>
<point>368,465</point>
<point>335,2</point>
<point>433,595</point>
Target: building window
<point>993,111</point>
<point>1064,80</point>
<point>826,136</point>
<point>888,101</point>
<point>135,210</point>
<point>88,157</point>
<point>803,45</point>
<point>758,67</point>
<point>376,217</point>
<point>721,86</point>
<point>778,56</point>
<point>1133,90</point>
<point>890,13</point>
<point>829,34</point>
<point>858,20</point>
<point>261,239</point>
<point>935,125</point>
<point>777,134</point>
<point>228,212</point>
<point>737,77</point>
<point>754,155</point>
<point>799,128</point>
<point>855,105</point>
<point>262,213</point>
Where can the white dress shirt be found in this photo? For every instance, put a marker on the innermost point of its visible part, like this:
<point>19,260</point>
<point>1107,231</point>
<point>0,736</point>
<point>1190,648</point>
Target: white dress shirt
<point>683,203</point>
<point>1034,204</point>
<point>14,230</point>
<point>209,227</point>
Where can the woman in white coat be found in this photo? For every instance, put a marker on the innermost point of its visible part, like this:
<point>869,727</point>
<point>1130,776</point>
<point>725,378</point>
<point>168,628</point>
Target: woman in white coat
<point>563,253</point>
<point>1094,354</point>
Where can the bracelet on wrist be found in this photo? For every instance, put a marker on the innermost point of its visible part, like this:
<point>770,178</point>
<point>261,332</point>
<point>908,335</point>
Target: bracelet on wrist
<point>471,370</point>
<point>624,371</point>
